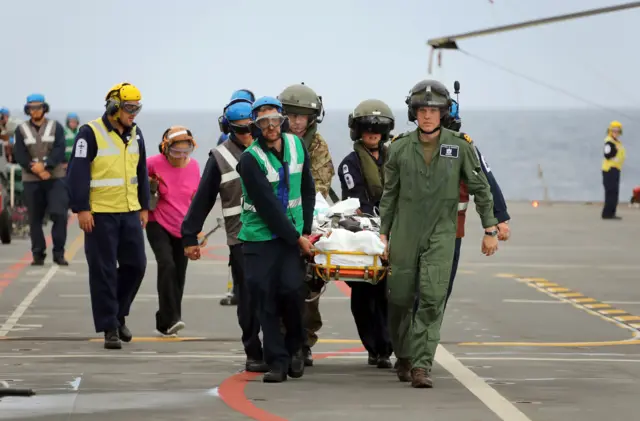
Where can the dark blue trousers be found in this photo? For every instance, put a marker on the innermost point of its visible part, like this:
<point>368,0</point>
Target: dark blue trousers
<point>369,310</point>
<point>274,272</point>
<point>50,197</point>
<point>115,251</point>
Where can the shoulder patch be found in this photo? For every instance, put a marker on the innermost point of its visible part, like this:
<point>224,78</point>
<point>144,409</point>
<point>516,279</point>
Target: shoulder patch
<point>399,136</point>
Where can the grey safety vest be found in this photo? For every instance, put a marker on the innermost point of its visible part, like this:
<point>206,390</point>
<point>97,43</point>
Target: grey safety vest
<point>227,155</point>
<point>39,145</point>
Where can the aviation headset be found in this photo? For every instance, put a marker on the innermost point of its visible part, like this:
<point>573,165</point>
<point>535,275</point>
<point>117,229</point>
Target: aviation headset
<point>222,120</point>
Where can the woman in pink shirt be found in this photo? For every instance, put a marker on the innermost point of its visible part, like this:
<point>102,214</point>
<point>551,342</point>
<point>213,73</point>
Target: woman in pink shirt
<point>174,180</point>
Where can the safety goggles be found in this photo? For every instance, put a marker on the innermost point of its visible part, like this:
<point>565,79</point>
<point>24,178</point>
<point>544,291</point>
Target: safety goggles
<point>35,107</point>
<point>176,152</point>
<point>269,121</point>
<point>131,108</point>
<point>616,130</point>
<point>240,128</point>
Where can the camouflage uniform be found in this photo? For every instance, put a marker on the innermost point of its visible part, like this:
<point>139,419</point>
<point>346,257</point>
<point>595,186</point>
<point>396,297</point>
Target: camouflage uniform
<point>302,100</point>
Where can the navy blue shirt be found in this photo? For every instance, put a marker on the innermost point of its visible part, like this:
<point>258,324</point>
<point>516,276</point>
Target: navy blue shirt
<point>55,157</point>
<point>499,204</point>
<point>353,183</point>
<point>79,169</point>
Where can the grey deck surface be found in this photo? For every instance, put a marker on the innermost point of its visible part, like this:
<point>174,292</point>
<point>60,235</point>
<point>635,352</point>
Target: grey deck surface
<point>530,334</point>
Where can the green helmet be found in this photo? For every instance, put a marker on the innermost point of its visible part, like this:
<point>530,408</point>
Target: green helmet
<point>300,99</point>
<point>428,93</point>
<point>371,115</point>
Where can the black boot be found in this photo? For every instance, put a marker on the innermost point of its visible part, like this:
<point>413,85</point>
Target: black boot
<point>384,362</point>
<point>38,260</point>
<point>296,367</point>
<point>372,360</point>
<point>60,261</point>
<point>124,332</point>
<point>256,366</point>
<point>274,376</point>
<point>307,356</point>
<point>112,340</point>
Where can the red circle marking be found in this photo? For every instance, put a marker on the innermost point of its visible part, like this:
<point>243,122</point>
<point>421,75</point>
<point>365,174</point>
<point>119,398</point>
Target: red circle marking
<point>232,391</point>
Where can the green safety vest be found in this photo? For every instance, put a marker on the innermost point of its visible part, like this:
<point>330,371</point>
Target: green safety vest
<point>253,227</point>
<point>69,137</point>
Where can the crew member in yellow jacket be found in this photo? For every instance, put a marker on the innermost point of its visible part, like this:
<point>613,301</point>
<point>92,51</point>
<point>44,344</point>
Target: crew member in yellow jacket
<point>614,155</point>
<point>109,190</point>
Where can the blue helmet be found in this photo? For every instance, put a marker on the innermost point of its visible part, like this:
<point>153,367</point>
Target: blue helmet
<point>238,111</point>
<point>243,94</point>
<point>265,100</point>
<point>4,111</point>
<point>73,115</point>
<point>35,98</point>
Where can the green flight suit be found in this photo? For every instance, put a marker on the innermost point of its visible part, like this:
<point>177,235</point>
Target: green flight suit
<point>419,213</point>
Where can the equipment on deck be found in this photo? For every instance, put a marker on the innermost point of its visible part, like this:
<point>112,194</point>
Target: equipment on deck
<point>6,391</point>
<point>14,218</point>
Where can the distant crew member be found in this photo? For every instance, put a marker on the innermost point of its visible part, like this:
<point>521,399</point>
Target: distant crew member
<point>39,149</point>
<point>304,111</point>
<point>71,128</point>
<point>614,156</point>
<point>8,126</point>
<point>277,213</point>
<point>237,95</point>
<point>220,177</point>
<point>109,187</point>
<point>361,175</point>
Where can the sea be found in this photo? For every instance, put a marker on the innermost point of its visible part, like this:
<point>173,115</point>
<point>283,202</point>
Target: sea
<point>534,154</point>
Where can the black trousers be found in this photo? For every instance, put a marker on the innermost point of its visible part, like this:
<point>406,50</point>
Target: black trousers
<point>172,271</point>
<point>117,263</point>
<point>611,183</point>
<point>275,275</point>
<point>50,197</point>
<point>369,309</point>
<point>247,310</point>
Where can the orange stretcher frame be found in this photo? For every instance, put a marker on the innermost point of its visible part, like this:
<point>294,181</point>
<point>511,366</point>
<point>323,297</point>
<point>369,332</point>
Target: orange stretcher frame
<point>370,274</point>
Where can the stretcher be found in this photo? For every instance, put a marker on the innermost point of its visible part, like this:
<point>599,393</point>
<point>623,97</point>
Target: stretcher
<point>320,274</point>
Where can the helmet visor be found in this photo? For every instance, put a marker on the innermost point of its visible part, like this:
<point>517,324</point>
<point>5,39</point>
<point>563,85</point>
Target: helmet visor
<point>240,128</point>
<point>374,124</point>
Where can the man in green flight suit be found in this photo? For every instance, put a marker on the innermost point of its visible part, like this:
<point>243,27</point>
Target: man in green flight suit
<point>418,211</point>
<point>70,131</point>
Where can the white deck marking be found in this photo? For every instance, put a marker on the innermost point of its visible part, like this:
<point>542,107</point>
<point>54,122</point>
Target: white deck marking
<point>12,321</point>
<point>493,400</point>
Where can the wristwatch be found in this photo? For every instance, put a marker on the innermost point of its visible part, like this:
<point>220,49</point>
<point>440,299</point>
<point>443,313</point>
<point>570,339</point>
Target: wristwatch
<point>492,233</point>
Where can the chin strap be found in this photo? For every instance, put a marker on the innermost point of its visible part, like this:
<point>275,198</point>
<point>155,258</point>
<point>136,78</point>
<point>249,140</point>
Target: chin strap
<point>430,132</point>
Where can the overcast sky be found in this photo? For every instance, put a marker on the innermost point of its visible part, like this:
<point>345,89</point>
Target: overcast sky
<point>192,54</point>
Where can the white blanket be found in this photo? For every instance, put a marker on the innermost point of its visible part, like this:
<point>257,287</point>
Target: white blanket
<point>343,240</point>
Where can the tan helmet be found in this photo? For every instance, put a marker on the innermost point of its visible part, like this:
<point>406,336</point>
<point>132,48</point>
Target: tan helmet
<point>302,100</point>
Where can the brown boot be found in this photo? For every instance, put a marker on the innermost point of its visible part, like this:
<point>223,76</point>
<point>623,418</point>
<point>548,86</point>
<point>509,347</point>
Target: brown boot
<point>403,369</point>
<point>420,378</point>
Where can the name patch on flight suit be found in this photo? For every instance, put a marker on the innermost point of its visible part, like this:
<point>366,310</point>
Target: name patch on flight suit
<point>449,151</point>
